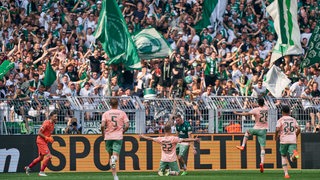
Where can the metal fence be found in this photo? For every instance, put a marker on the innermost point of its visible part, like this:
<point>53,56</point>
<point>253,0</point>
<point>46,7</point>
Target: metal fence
<point>305,111</point>
<point>209,115</point>
<point>224,119</point>
<point>90,109</point>
<point>26,116</point>
<point>159,111</point>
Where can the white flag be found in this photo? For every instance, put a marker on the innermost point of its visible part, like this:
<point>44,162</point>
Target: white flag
<point>284,14</point>
<point>276,81</point>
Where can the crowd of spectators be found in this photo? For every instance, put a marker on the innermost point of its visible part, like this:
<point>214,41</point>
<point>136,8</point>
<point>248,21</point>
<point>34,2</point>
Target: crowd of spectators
<point>228,60</point>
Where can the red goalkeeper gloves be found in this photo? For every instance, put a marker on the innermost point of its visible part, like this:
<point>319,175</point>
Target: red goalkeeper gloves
<point>49,139</point>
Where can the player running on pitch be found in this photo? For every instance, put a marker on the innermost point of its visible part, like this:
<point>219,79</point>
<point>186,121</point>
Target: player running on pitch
<point>287,130</point>
<point>43,138</point>
<point>114,124</point>
<point>260,128</point>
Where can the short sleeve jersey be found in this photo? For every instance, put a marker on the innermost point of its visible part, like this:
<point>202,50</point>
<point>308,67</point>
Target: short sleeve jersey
<point>114,120</point>
<point>168,147</point>
<point>184,129</point>
<point>287,126</point>
<point>47,129</point>
<point>261,117</point>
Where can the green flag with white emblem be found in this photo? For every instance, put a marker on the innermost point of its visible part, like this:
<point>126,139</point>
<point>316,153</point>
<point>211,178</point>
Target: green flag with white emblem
<point>313,53</point>
<point>150,44</point>
<point>112,32</point>
<point>284,15</point>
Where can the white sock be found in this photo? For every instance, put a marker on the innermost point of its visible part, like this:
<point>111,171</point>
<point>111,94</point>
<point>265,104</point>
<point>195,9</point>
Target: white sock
<point>114,157</point>
<point>263,152</point>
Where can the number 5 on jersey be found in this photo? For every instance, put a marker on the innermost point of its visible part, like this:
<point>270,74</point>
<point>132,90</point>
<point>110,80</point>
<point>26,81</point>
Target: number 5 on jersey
<point>114,120</point>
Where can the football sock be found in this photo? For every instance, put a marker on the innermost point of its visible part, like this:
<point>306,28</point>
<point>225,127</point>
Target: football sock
<point>245,138</point>
<point>284,165</point>
<point>174,173</point>
<point>185,167</point>
<point>115,158</point>
<point>262,156</point>
<point>34,162</point>
<point>45,163</point>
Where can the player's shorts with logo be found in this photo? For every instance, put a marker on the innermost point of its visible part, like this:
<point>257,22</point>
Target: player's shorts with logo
<point>173,166</point>
<point>43,148</point>
<point>287,148</point>
<point>182,149</point>
<point>113,146</point>
<point>261,135</point>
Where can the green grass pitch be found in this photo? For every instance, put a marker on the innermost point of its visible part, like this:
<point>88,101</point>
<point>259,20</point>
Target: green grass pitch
<point>193,175</point>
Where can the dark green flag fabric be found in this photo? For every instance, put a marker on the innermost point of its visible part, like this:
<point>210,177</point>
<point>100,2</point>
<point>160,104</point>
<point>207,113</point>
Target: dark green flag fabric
<point>313,53</point>
<point>112,32</point>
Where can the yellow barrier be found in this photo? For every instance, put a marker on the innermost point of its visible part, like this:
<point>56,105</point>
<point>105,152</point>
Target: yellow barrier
<point>87,153</point>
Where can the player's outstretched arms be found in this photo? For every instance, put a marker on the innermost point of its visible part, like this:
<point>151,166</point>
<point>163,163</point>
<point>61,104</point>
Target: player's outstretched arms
<point>146,137</point>
<point>191,139</point>
<point>242,114</point>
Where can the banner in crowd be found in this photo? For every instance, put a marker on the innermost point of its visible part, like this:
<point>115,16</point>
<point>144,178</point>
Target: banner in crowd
<point>86,153</point>
<point>212,13</point>
<point>49,75</point>
<point>313,53</point>
<point>112,32</point>
<point>284,14</point>
<point>276,81</point>
<point>150,44</point>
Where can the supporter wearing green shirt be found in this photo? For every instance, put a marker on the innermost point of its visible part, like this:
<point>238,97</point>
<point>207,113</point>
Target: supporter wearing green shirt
<point>205,35</point>
<point>210,67</point>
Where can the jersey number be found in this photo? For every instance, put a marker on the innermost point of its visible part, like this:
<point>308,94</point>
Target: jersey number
<point>166,147</point>
<point>114,120</point>
<point>288,127</point>
<point>263,116</point>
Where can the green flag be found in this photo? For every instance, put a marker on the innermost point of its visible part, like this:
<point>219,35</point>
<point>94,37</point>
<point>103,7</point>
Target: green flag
<point>313,53</point>
<point>49,75</point>
<point>112,32</point>
<point>5,67</point>
<point>212,14</point>
<point>284,15</point>
<point>150,44</point>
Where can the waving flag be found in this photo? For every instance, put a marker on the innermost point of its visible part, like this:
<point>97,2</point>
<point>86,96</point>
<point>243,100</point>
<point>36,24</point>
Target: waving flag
<point>150,44</point>
<point>112,32</point>
<point>212,14</point>
<point>284,14</point>
<point>313,53</point>
<point>276,81</point>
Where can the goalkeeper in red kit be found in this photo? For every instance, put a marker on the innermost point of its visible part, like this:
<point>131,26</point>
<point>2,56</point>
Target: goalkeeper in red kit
<point>44,137</point>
